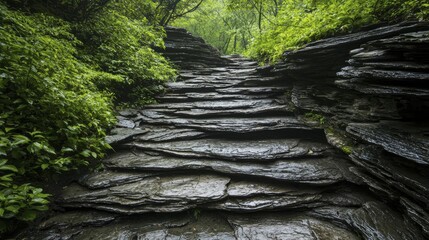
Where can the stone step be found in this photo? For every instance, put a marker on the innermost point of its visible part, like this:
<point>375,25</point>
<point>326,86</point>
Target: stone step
<point>210,96</point>
<point>311,170</point>
<point>236,110</point>
<point>203,87</point>
<point>373,220</point>
<point>169,133</point>
<point>219,105</point>
<point>226,124</point>
<point>178,192</point>
<point>239,150</point>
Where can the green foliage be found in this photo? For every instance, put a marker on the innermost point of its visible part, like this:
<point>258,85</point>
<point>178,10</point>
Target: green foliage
<point>51,114</point>
<point>70,10</point>
<point>169,10</point>
<point>347,149</point>
<point>59,73</point>
<point>122,45</point>
<point>52,117</point>
<point>314,117</point>
<point>271,27</point>
<point>229,31</point>
<point>309,20</point>
<point>20,202</point>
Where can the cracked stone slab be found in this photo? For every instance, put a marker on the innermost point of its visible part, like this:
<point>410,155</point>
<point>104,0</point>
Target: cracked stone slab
<point>408,140</point>
<point>237,150</point>
<point>288,197</point>
<point>163,134</point>
<point>398,65</point>
<point>124,122</point>
<point>370,88</point>
<point>129,227</point>
<point>417,213</point>
<point>344,104</point>
<point>391,170</point>
<point>121,135</point>
<point>170,193</point>
<point>216,105</point>
<point>211,96</point>
<point>374,220</point>
<point>326,170</point>
<point>148,115</point>
<point>198,87</point>
<point>78,219</point>
<point>107,178</point>
<point>150,196</point>
<point>384,75</point>
<point>252,90</point>
<point>275,226</point>
<point>224,124</point>
<point>211,226</point>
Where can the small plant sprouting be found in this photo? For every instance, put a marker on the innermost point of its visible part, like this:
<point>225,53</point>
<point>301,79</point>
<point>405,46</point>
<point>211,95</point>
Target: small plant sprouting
<point>315,118</point>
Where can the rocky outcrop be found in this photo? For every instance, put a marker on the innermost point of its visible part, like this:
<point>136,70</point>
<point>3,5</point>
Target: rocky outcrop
<point>368,91</point>
<point>234,151</point>
<point>189,52</point>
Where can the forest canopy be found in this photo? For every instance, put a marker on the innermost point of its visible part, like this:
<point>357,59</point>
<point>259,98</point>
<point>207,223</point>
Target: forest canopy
<point>265,29</point>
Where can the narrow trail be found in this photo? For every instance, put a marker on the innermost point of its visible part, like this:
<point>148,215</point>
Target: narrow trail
<point>222,156</point>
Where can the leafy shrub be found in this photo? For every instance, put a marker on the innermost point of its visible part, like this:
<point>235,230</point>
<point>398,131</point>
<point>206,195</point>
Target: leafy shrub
<point>58,76</point>
<point>300,22</point>
<point>52,117</point>
<point>122,45</point>
<point>20,202</point>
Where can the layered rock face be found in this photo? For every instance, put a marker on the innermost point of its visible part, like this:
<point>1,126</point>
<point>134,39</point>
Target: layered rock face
<point>235,151</point>
<point>371,90</point>
<point>190,52</point>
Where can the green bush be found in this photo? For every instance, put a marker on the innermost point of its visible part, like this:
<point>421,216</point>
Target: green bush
<point>20,202</point>
<point>300,22</point>
<point>59,75</point>
<point>122,45</point>
<point>52,117</point>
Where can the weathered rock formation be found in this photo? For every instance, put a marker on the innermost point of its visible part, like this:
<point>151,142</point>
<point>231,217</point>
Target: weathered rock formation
<point>190,52</point>
<point>371,90</point>
<point>234,151</point>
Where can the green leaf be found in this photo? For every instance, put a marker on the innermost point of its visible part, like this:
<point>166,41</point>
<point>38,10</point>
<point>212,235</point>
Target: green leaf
<point>13,208</point>
<point>45,166</point>
<point>66,150</point>
<point>8,168</point>
<point>7,177</point>
<point>20,139</point>
<point>86,153</point>
<point>3,162</point>
<point>28,215</point>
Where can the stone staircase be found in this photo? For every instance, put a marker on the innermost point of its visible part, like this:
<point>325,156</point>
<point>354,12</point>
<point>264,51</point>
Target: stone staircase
<point>224,155</point>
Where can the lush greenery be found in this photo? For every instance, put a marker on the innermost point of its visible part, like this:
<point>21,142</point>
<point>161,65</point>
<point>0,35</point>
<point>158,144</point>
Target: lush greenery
<point>65,64</point>
<point>228,30</point>
<point>265,29</point>
<point>62,66</point>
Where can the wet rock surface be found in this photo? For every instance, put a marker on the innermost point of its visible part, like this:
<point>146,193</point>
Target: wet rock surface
<point>373,102</point>
<point>237,151</point>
